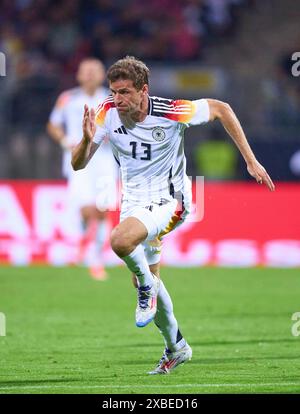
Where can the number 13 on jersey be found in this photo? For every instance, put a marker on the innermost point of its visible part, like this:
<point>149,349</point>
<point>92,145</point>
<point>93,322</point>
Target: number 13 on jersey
<point>146,147</point>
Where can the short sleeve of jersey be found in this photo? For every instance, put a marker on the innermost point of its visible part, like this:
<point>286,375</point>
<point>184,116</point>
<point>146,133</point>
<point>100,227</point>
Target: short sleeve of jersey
<point>101,119</point>
<point>57,116</point>
<point>101,133</point>
<point>193,112</point>
<point>201,114</point>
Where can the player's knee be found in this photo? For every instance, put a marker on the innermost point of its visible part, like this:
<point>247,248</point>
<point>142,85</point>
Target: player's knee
<point>121,243</point>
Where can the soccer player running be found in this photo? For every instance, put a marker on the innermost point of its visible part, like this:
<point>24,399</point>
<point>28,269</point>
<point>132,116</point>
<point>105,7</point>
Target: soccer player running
<point>146,135</point>
<point>88,193</point>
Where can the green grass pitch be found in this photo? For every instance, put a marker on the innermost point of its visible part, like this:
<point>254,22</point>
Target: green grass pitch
<point>67,333</point>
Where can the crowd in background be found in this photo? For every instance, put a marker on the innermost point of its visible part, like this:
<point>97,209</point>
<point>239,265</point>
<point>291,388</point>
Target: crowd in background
<point>54,36</point>
<point>44,41</point>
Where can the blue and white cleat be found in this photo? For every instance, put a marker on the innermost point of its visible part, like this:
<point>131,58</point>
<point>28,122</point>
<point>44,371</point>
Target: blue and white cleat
<point>171,360</point>
<point>147,303</point>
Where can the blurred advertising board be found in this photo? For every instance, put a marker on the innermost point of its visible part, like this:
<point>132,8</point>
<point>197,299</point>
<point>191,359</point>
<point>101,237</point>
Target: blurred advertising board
<point>189,80</point>
<point>240,224</point>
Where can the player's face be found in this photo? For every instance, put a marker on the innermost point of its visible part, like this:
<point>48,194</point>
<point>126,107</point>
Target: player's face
<point>127,98</point>
<point>90,74</point>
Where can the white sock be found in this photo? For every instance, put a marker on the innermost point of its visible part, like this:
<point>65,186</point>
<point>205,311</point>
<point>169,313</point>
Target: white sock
<point>137,263</point>
<point>166,321</point>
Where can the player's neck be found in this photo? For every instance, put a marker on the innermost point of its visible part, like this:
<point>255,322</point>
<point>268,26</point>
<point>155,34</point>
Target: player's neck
<point>140,115</point>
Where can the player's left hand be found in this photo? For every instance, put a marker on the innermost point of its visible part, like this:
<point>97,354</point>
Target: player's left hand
<point>257,171</point>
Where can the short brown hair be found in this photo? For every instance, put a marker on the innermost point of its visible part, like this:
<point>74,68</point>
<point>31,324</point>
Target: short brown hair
<point>129,68</point>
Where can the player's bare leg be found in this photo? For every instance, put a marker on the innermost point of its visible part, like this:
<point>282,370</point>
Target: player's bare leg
<point>95,232</point>
<point>126,241</point>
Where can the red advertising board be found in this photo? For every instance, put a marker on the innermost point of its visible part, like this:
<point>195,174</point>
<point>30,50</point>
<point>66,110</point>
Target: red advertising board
<point>232,224</point>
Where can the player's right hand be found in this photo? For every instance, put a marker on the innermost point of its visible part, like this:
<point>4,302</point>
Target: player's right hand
<point>88,124</point>
<point>257,171</point>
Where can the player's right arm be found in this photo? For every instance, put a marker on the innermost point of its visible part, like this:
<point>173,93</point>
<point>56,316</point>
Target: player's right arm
<point>94,132</point>
<point>57,133</point>
<point>83,152</point>
<point>57,117</point>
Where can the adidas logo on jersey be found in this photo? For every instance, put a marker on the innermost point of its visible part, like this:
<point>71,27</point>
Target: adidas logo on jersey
<point>121,130</point>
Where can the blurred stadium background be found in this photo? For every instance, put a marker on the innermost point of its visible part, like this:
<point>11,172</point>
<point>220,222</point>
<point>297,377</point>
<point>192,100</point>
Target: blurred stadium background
<point>62,334</point>
<point>238,51</point>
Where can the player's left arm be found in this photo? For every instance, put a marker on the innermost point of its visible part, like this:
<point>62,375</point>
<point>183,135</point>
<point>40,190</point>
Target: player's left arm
<point>224,113</point>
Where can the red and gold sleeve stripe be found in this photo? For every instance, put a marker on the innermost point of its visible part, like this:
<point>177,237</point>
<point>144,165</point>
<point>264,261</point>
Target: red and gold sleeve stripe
<point>102,110</point>
<point>182,111</point>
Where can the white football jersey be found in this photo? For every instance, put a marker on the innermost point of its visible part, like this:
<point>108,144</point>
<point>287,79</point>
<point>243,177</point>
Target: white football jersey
<point>151,153</point>
<point>68,113</point>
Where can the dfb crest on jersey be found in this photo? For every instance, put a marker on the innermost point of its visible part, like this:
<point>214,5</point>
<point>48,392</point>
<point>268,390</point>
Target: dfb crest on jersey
<point>158,134</point>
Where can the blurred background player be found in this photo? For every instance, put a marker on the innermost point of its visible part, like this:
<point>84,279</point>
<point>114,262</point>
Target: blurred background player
<point>89,195</point>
